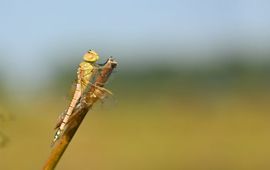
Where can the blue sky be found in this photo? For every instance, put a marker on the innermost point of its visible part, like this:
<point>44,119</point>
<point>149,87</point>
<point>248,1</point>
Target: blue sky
<point>33,30</point>
<point>29,27</point>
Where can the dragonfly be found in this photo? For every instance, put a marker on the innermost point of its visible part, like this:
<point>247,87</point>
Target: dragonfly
<point>86,73</point>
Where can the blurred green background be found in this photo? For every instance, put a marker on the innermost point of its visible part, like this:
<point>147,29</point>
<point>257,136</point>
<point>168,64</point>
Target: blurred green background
<point>191,91</point>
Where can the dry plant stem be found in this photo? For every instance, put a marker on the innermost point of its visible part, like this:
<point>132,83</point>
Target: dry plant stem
<point>87,102</point>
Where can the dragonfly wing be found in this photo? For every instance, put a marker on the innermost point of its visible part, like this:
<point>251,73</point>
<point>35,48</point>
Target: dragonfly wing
<point>72,90</point>
<point>60,119</point>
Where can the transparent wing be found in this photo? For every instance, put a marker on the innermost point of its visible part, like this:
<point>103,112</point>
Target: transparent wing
<point>60,119</point>
<point>69,97</point>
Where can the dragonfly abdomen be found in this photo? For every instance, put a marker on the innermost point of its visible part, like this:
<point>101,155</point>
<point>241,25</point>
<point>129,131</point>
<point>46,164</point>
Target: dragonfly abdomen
<point>65,119</point>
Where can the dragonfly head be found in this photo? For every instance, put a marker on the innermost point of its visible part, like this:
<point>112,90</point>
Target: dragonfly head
<point>91,56</point>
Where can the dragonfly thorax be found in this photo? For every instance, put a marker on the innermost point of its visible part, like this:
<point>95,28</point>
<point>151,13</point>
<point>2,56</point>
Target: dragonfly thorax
<point>86,70</point>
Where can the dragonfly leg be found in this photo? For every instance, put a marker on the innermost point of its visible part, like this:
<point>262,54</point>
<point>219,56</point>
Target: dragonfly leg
<point>102,89</point>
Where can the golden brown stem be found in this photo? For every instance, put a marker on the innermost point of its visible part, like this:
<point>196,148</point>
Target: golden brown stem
<point>86,103</point>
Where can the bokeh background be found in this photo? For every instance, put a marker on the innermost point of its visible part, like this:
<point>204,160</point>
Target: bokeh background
<point>191,90</point>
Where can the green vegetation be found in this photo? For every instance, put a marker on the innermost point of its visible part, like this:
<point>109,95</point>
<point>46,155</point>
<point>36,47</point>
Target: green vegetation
<point>201,118</point>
